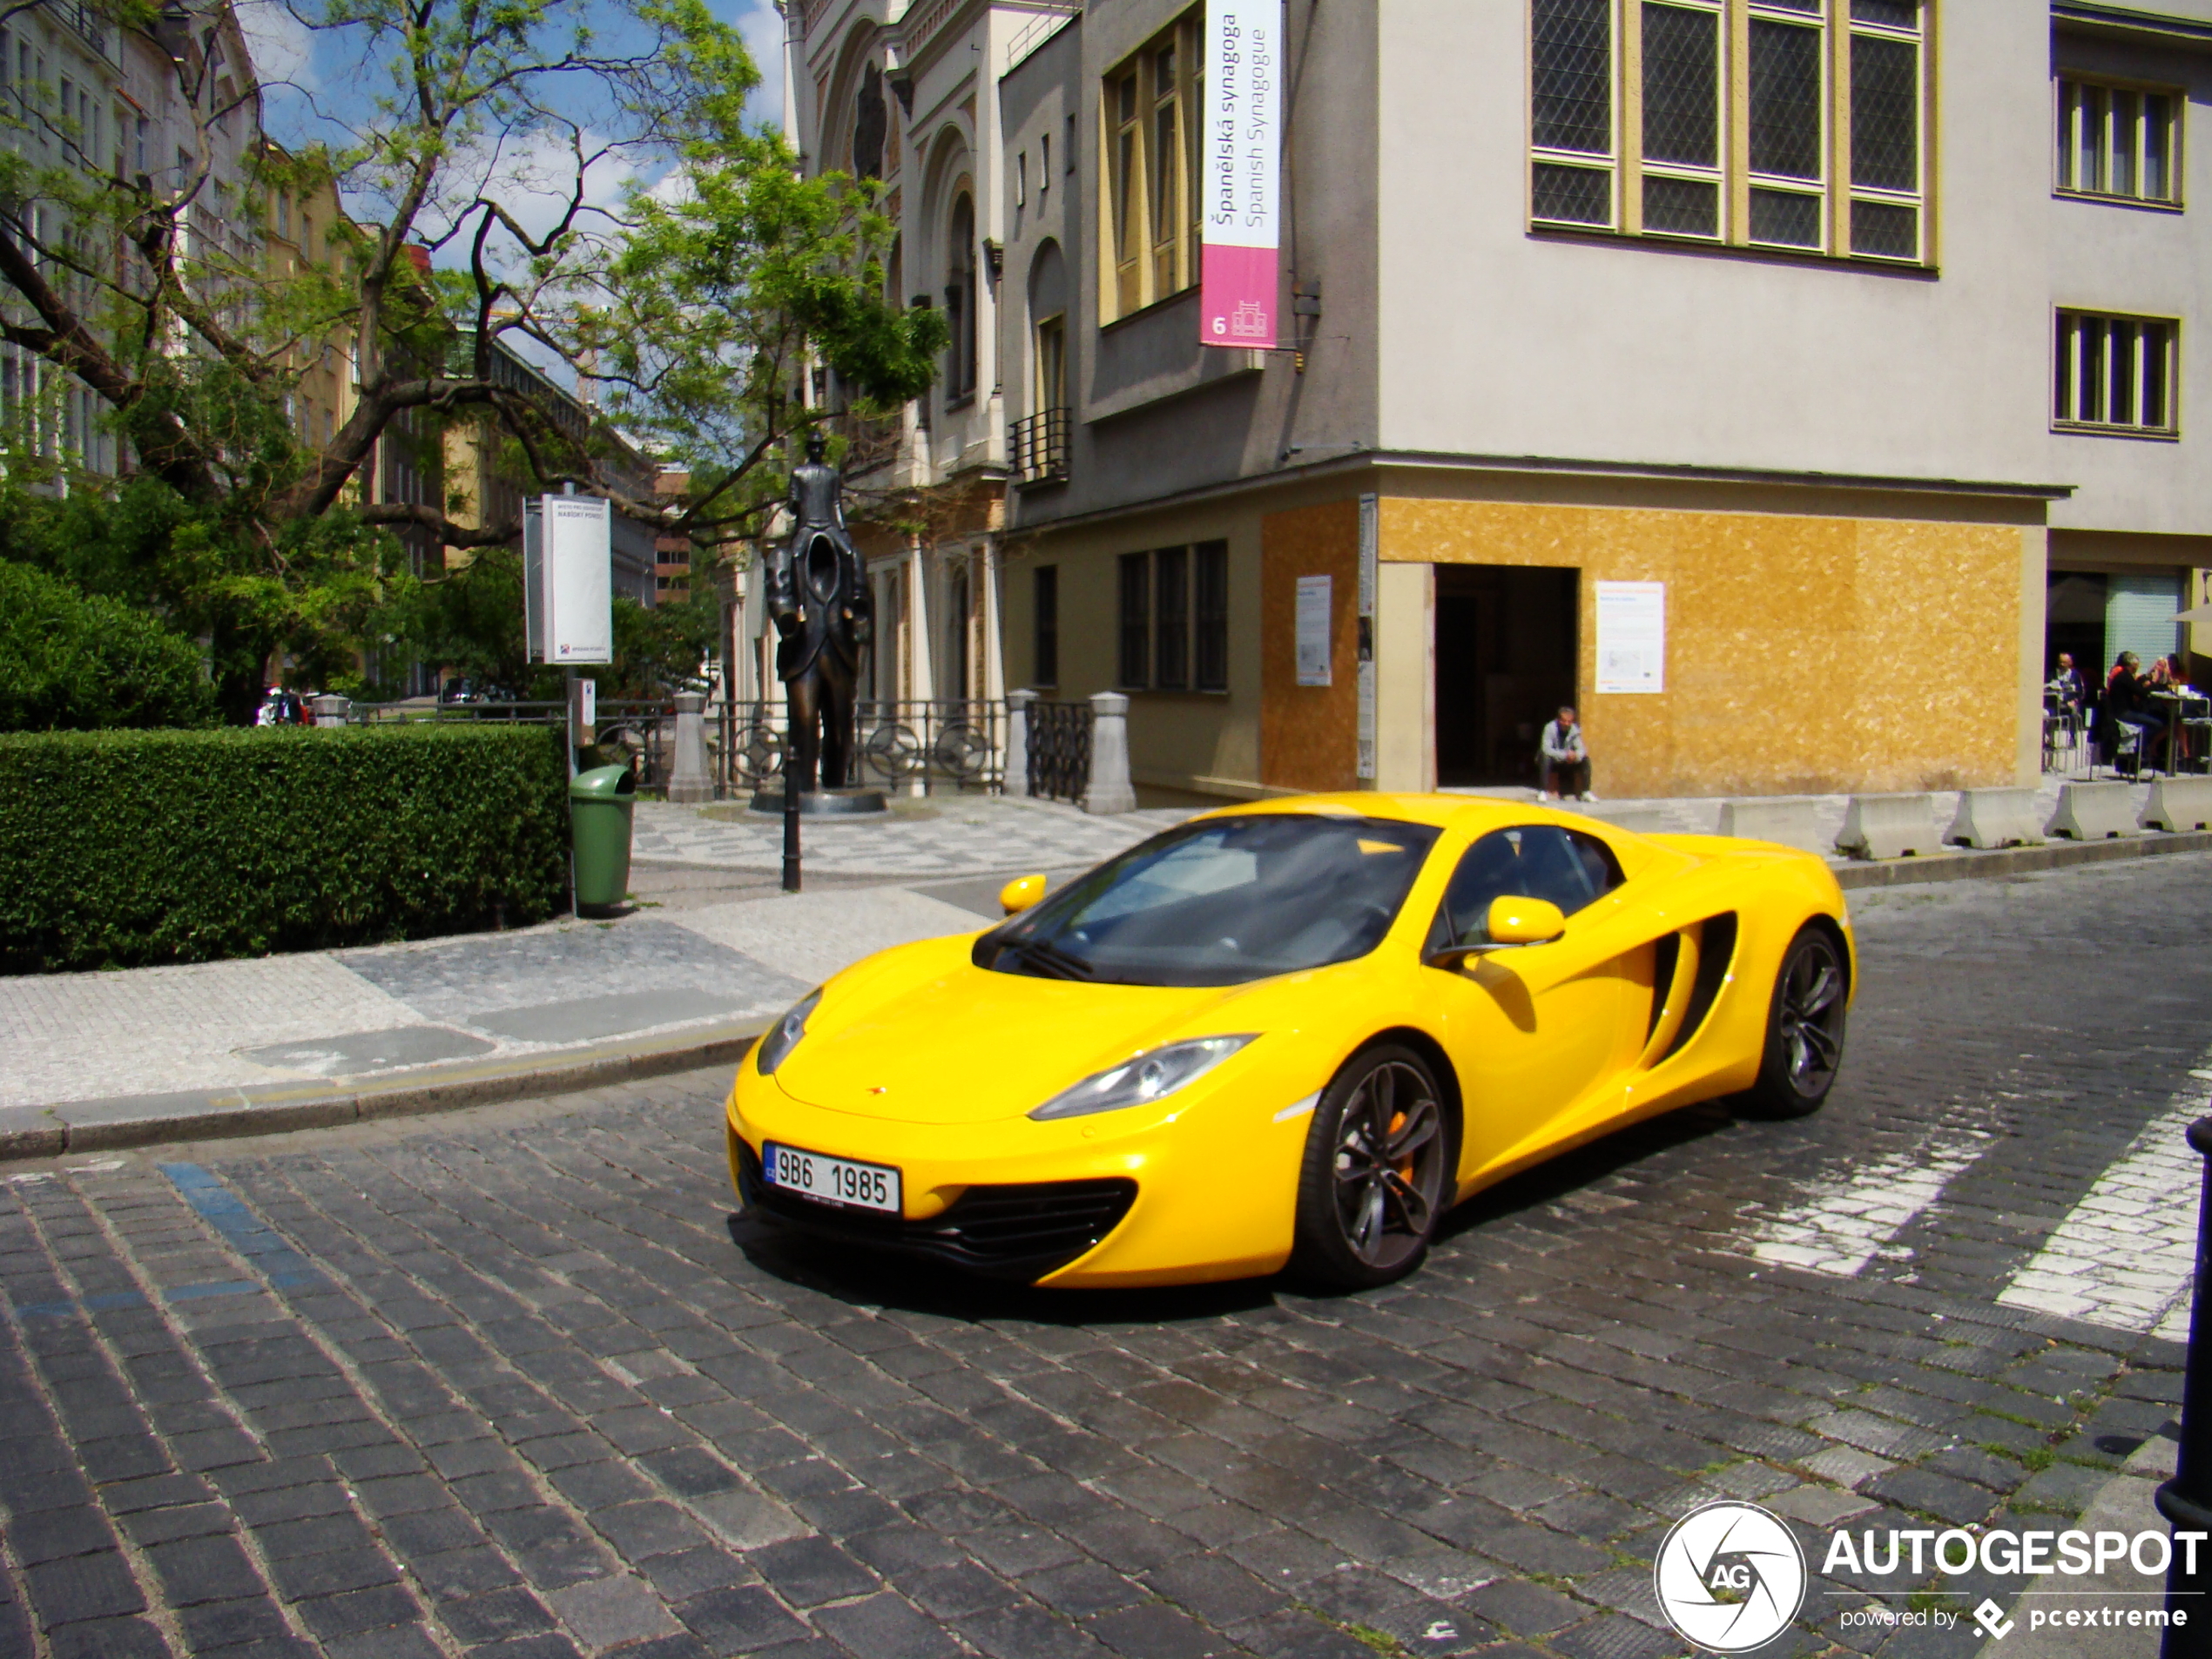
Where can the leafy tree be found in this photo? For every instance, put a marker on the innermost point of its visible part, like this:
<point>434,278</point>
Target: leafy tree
<point>695,298</point>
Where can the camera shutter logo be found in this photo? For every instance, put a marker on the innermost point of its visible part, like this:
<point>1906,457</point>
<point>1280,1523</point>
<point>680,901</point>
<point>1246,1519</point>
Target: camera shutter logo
<point>1730,1577</point>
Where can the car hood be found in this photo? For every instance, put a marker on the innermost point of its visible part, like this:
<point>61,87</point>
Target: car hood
<point>922,1036</point>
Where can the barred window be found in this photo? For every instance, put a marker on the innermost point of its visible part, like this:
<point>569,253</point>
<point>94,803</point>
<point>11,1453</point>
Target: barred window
<point>1171,637</point>
<point>1788,124</point>
<point>1044,616</point>
<point>1137,620</point>
<point>1213,574</point>
<point>2116,374</point>
<point>2116,140</point>
<point>1174,629</point>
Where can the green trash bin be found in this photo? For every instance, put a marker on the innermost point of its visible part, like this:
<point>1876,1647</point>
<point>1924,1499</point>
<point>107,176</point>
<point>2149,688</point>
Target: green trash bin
<point>601,803</point>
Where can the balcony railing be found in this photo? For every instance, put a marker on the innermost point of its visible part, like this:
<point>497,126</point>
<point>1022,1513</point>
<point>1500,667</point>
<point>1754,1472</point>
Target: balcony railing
<point>1036,449</point>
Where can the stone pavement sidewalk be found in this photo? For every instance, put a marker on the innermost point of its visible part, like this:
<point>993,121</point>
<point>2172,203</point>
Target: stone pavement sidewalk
<point>941,835</point>
<point>112,1055</point>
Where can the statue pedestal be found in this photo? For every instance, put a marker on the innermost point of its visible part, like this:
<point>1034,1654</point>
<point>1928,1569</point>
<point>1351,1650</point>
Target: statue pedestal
<point>823,803</point>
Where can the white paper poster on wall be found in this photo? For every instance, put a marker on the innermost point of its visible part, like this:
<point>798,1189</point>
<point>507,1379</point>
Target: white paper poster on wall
<point>1631,637</point>
<point>1313,631</point>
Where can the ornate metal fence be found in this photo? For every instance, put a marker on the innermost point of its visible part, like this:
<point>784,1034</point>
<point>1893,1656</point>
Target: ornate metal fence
<point>944,745</point>
<point>1060,750</point>
<point>644,730</point>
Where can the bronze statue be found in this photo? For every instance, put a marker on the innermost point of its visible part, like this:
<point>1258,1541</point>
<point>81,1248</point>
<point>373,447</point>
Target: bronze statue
<point>818,597</point>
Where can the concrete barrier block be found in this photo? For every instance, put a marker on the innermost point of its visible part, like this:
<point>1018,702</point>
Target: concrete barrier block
<point>1784,819</point>
<point>1644,820</point>
<point>1888,827</point>
<point>2178,804</point>
<point>1995,818</point>
<point>2094,811</point>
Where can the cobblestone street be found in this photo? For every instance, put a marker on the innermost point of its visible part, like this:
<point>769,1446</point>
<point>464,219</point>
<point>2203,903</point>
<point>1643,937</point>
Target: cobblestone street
<point>510,1381</point>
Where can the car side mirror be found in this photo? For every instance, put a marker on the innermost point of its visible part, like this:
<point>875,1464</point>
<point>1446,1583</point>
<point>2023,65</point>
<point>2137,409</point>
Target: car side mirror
<point>1513,922</point>
<point>1021,893</point>
<point>1525,921</point>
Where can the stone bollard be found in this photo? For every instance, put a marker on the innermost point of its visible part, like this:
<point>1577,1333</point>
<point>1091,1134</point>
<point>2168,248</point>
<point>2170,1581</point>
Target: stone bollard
<point>1017,743</point>
<point>334,710</point>
<point>690,780</point>
<point>2178,805</point>
<point>1784,819</point>
<point>1990,818</point>
<point>2186,1501</point>
<point>1888,827</point>
<point>2094,812</point>
<point>1108,789</point>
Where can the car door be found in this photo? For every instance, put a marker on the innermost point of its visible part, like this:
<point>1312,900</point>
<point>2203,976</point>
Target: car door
<point>1538,1034</point>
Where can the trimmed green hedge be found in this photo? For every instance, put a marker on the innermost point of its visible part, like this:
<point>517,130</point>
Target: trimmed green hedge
<point>121,849</point>
<point>71,660</point>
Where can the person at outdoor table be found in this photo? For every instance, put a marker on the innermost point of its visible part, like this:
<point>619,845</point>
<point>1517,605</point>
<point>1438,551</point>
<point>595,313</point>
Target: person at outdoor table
<point>2066,680</point>
<point>1563,765</point>
<point>2127,702</point>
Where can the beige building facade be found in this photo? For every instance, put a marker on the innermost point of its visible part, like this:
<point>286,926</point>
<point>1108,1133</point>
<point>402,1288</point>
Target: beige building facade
<point>1864,332</point>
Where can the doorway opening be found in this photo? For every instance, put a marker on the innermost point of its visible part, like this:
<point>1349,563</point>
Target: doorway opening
<point>1505,663</point>
<point>2073,622</point>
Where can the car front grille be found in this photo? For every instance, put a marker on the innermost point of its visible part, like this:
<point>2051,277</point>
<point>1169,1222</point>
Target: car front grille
<point>1020,1232</point>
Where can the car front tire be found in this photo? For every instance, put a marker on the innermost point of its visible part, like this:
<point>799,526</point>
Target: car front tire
<point>1380,1170</point>
<point>1804,1029</point>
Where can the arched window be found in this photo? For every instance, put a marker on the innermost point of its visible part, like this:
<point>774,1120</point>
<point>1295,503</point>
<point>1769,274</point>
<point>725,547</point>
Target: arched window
<point>959,300</point>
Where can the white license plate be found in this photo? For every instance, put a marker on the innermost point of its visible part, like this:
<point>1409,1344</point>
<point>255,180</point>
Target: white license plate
<point>813,1175</point>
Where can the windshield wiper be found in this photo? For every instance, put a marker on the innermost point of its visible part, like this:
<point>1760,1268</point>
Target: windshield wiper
<point>1052,962</point>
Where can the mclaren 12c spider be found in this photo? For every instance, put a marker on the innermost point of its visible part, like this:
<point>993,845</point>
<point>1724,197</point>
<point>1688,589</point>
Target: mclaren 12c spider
<point>1291,1034</point>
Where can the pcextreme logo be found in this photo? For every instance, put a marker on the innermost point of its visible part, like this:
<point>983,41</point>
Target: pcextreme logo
<point>1730,1577</point>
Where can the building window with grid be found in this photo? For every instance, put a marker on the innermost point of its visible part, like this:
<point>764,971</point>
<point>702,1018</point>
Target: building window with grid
<point>1151,236</point>
<point>1171,637</point>
<point>1044,616</point>
<point>1783,124</point>
<point>1174,618</point>
<point>1135,664</point>
<point>2114,374</point>
<point>2122,142</point>
<point>1210,574</point>
<point>960,320</point>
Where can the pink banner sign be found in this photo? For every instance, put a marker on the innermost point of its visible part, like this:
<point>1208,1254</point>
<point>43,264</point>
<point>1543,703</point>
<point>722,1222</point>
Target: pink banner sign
<point>1239,273</point>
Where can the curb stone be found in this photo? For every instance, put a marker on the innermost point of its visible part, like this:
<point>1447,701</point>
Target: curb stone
<point>145,1120</point>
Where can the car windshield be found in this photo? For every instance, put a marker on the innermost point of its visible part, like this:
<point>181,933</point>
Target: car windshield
<point>1222,902</point>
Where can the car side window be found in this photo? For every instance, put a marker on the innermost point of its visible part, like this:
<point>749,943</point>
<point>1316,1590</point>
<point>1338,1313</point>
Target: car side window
<point>1571,869</point>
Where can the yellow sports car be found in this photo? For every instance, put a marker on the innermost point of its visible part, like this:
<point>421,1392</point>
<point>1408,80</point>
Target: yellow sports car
<point>1291,1034</point>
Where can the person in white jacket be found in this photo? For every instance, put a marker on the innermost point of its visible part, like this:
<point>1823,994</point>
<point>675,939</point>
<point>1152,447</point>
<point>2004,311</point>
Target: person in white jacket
<point>1564,768</point>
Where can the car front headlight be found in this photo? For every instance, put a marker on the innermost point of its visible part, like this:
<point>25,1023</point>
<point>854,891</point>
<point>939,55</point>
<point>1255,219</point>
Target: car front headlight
<point>1142,1078</point>
<point>782,1037</point>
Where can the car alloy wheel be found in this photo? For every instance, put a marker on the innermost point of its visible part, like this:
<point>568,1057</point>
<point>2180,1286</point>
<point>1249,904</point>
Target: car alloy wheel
<point>1378,1171</point>
<point>1812,998</point>
<point>1805,1029</point>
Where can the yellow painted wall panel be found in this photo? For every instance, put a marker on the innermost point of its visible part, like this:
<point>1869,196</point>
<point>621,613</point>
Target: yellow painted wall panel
<point>1309,735</point>
<point>1803,654</point>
